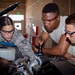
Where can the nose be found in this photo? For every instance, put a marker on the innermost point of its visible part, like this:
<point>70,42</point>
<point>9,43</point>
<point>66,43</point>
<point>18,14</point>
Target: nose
<point>46,23</point>
<point>67,35</point>
<point>9,34</point>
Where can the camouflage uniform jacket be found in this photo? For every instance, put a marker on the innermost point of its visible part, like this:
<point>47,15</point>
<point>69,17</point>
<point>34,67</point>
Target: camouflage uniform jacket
<point>22,44</point>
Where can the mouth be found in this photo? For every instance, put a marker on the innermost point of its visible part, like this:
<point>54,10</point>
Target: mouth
<point>8,39</point>
<point>49,30</point>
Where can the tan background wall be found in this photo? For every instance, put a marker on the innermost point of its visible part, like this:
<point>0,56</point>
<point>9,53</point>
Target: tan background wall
<point>66,6</point>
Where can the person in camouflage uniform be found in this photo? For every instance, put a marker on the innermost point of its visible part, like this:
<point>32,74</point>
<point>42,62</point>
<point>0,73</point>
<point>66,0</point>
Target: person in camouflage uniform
<point>9,34</point>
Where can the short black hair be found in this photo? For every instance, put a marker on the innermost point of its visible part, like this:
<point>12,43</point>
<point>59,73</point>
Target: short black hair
<point>70,19</point>
<point>51,7</point>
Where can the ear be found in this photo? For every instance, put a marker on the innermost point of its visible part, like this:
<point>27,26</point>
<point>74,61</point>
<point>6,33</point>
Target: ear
<point>58,18</point>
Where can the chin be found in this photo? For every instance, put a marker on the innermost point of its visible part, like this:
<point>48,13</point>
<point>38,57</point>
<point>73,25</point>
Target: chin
<point>8,39</point>
<point>50,31</point>
<point>73,43</point>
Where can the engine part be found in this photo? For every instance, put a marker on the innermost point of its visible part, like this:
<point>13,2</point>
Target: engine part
<point>7,53</point>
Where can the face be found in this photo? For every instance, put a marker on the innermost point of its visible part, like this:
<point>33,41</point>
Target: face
<point>51,21</point>
<point>70,33</point>
<point>7,32</point>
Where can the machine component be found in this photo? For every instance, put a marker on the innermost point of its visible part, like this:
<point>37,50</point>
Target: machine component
<point>25,65</point>
<point>41,66</point>
<point>47,69</point>
<point>54,68</point>
<point>65,67</point>
<point>7,53</point>
<point>10,8</point>
<point>40,47</point>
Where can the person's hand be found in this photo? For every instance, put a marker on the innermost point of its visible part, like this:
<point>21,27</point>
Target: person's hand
<point>38,41</point>
<point>34,48</point>
<point>70,56</point>
<point>73,58</point>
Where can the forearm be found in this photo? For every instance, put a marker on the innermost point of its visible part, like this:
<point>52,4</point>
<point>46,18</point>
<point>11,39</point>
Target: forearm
<point>51,51</point>
<point>59,49</point>
<point>26,49</point>
<point>54,51</point>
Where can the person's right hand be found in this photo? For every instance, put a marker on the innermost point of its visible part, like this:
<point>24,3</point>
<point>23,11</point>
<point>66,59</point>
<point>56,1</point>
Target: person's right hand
<point>38,41</point>
<point>70,56</point>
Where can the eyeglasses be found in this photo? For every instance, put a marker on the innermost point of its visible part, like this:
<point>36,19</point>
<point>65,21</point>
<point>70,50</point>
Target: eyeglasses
<point>69,33</point>
<point>7,32</point>
<point>50,19</point>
